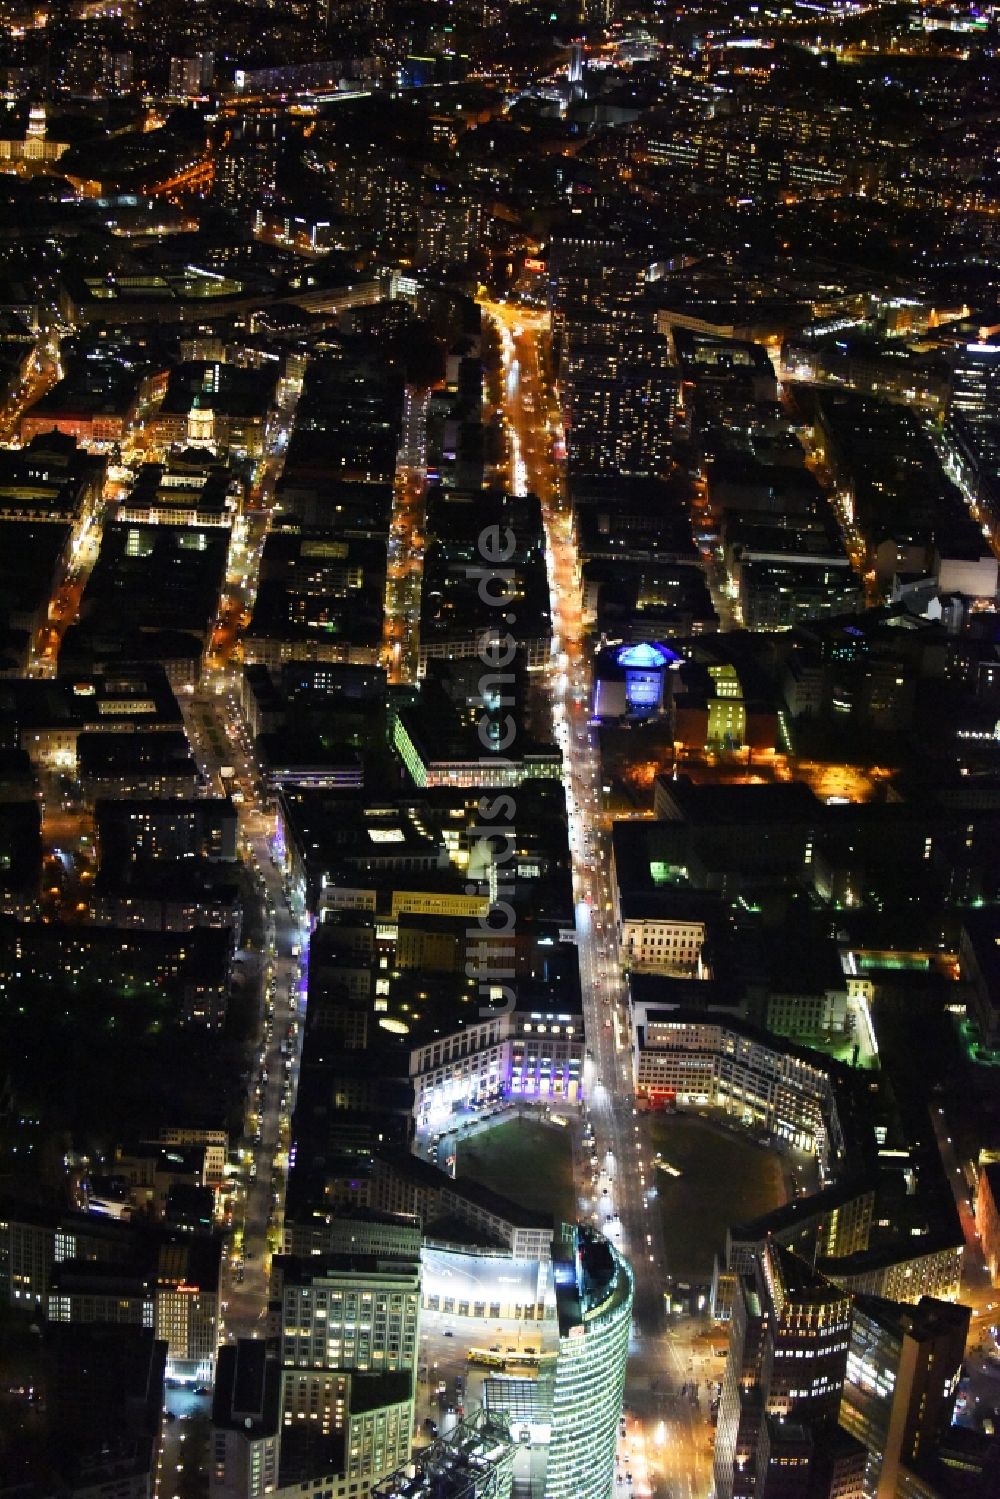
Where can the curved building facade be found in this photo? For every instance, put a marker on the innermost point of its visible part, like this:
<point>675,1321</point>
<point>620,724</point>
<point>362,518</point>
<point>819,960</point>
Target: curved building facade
<point>594,1298</point>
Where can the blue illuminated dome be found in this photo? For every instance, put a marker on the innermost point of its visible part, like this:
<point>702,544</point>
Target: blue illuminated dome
<point>645,655</point>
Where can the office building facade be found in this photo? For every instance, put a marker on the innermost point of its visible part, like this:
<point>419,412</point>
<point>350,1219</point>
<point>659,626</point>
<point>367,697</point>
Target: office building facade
<point>787,1359</point>
<point>348,1328</point>
<point>903,1367</point>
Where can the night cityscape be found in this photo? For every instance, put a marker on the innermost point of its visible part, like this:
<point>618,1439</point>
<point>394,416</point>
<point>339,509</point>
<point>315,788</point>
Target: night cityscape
<point>499,749</point>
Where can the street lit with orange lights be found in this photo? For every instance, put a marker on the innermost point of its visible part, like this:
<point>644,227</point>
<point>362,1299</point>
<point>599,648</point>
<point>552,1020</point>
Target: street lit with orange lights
<point>43,372</point>
<point>223,652</point>
<point>406,543</point>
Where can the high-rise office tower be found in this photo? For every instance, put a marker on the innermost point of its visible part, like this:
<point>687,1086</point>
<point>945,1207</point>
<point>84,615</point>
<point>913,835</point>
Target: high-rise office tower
<point>787,1357</point>
<point>594,1303</point>
<point>804,1353</point>
<point>903,1368</point>
<point>973,419</point>
<point>740,1401</point>
<point>243,1461</point>
<point>784,1459</point>
<point>795,1462</point>
<point>349,1327</point>
<point>975,383</point>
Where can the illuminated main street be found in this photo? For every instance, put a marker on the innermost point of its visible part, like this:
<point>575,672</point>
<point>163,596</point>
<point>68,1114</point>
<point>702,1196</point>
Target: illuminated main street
<point>271,971</point>
<point>275,967</point>
<point>42,373</point>
<point>670,1434</point>
<point>406,543</point>
<point>218,733</point>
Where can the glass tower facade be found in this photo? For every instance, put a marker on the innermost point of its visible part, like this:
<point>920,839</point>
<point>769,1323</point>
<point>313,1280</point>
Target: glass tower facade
<point>594,1297</point>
